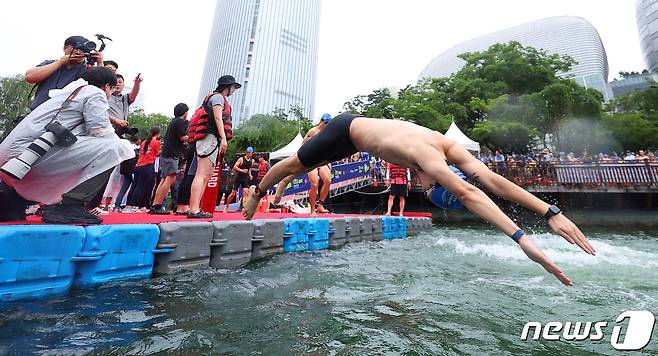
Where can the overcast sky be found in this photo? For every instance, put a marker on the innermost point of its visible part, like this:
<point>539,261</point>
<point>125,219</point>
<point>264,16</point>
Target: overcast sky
<point>364,44</point>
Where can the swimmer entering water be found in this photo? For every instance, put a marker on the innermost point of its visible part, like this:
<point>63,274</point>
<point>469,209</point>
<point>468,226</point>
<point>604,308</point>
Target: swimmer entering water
<point>413,146</point>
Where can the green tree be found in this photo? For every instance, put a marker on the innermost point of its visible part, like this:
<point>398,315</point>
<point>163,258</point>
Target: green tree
<point>644,102</point>
<point>426,104</point>
<point>378,104</point>
<point>632,131</point>
<point>144,122</point>
<point>14,101</point>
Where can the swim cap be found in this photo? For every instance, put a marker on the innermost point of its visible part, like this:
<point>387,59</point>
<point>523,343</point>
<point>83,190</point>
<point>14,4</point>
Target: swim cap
<point>444,198</point>
<point>250,149</point>
<point>325,118</point>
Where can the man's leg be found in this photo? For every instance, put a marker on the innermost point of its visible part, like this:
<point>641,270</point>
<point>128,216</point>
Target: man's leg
<point>401,204</point>
<point>72,209</point>
<point>391,199</point>
<point>281,188</point>
<point>325,176</point>
<point>127,181</point>
<point>289,166</point>
<point>160,194</point>
<point>313,192</point>
<point>230,198</point>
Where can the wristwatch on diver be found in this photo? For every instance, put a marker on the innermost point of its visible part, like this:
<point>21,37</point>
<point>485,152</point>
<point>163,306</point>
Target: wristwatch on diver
<point>552,211</point>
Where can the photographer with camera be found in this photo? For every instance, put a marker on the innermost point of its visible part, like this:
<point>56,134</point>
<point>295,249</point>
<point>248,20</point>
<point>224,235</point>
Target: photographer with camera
<point>56,74</point>
<point>63,152</point>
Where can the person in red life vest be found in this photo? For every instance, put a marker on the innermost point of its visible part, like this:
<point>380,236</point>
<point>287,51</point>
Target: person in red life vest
<point>242,168</point>
<point>263,167</point>
<point>211,135</point>
<point>398,179</point>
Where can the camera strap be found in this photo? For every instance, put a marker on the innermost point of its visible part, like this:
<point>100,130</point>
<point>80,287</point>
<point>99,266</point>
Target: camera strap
<point>65,103</point>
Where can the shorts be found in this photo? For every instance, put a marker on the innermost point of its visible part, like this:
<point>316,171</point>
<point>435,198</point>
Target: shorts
<point>332,144</point>
<point>208,147</point>
<point>241,181</point>
<point>398,190</point>
<point>168,166</point>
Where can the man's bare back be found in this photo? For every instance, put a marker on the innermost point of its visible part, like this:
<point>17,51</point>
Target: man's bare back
<point>395,141</point>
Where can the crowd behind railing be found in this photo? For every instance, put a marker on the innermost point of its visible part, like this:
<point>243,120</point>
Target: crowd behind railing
<point>544,168</point>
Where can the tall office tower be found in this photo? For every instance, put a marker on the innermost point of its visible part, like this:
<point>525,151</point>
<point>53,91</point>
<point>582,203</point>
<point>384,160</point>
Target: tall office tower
<point>569,35</point>
<point>646,13</point>
<point>271,47</point>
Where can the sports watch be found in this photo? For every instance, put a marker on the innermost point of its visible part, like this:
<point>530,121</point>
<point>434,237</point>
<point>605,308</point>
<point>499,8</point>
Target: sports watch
<point>552,211</point>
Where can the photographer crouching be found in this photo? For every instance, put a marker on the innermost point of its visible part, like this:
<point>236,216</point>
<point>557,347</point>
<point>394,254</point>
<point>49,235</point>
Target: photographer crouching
<point>62,153</point>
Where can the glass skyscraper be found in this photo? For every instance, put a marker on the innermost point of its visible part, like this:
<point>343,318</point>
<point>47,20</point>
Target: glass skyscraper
<point>646,12</point>
<point>271,47</point>
<point>568,35</point>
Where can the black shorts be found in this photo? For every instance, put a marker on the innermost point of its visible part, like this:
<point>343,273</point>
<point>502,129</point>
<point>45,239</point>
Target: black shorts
<point>241,180</point>
<point>398,190</point>
<point>332,144</point>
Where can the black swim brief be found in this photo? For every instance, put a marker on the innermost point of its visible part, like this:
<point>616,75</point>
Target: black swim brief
<point>332,144</point>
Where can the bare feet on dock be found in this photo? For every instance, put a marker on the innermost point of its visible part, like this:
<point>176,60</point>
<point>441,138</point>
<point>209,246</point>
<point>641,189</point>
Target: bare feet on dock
<point>320,209</point>
<point>252,204</point>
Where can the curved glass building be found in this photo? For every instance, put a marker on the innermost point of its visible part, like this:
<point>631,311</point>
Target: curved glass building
<point>646,12</point>
<point>568,35</point>
<point>271,47</point>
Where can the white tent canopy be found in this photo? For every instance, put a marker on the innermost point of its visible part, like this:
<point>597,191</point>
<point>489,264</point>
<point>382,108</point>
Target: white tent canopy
<point>289,149</point>
<point>455,134</point>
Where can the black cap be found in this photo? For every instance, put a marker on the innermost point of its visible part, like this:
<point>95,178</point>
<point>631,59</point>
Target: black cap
<point>227,80</point>
<point>71,41</point>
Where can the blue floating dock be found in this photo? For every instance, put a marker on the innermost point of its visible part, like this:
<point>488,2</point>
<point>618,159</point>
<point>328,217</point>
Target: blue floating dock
<point>44,260</point>
<point>38,261</point>
<point>116,252</point>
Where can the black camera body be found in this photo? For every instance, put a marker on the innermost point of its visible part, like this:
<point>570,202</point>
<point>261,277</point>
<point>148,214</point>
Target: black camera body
<point>130,131</point>
<point>86,47</point>
<point>65,137</point>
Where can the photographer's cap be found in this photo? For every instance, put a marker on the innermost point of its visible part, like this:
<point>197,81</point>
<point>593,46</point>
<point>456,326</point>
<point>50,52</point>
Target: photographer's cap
<point>226,80</point>
<point>71,41</point>
<point>250,149</point>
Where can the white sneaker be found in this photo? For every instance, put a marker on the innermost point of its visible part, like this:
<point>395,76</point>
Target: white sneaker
<point>98,211</point>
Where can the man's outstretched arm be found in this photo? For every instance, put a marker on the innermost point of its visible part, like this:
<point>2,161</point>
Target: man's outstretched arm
<point>507,190</point>
<point>432,164</point>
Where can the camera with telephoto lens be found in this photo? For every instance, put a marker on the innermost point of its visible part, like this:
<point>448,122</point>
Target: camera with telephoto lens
<point>55,134</point>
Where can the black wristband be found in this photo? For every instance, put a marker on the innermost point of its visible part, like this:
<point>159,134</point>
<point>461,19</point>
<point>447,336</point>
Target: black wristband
<point>517,235</point>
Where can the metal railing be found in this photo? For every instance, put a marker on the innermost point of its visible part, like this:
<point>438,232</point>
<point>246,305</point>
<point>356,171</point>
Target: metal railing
<point>591,174</point>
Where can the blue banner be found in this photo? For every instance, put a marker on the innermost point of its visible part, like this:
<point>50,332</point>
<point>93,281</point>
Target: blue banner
<point>339,173</point>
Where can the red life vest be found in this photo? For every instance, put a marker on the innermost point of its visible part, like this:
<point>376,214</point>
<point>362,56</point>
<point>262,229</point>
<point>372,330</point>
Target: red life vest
<point>398,175</point>
<point>262,170</point>
<point>202,121</point>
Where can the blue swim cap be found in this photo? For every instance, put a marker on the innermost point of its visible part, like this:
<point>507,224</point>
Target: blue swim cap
<point>325,118</point>
<point>250,149</point>
<point>444,198</point>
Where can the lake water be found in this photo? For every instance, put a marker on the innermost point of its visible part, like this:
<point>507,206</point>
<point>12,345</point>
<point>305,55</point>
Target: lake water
<point>452,290</point>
